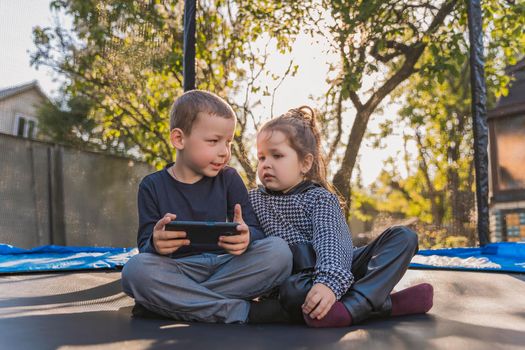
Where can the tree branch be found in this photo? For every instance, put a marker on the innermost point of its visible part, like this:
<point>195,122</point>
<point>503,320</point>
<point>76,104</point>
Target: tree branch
<point>339,118</point>
<point>285,75</point>
<point>399,50</point>
<point>355,100</point>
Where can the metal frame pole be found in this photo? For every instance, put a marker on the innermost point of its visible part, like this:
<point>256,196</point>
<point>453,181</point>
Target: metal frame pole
<point>189,45</point>
<point>479,117</point>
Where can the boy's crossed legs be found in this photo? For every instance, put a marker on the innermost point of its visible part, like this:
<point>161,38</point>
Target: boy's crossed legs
<point>207,287</point>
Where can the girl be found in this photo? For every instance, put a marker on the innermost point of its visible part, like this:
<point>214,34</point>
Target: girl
<point>333,284</point>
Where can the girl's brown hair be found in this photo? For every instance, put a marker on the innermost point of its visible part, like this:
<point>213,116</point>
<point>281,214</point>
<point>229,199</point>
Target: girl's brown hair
<point>299,125</point>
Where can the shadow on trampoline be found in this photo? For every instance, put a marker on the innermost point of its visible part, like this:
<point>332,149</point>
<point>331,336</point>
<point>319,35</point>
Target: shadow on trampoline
<point>107,290</point>
<point>519,277</point>
<point>115,329</point>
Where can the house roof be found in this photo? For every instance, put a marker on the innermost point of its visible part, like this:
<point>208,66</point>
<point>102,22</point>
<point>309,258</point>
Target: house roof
<point>5,93</point>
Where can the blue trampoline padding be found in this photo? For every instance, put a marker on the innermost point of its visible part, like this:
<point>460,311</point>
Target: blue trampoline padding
<point>60,258</point>
<point>503,256</point>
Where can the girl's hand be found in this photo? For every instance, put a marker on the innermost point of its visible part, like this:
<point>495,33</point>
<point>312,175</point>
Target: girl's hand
<point>319,301</point>
<point>236,245</point>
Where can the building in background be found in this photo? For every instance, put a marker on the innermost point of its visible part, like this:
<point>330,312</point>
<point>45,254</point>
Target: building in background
<point>507,161</point>
<point>18,109</point>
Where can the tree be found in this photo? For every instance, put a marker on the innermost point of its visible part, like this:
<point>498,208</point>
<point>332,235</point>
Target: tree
<point>425,41</point>
<point>437,109</point>
<point>386,40</point>
<point>125,59</point>
<point>67,123</point>
<point>436,118</point>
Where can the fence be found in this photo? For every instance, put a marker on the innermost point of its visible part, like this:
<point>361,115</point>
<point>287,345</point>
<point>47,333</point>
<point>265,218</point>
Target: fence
<point>51,194</point>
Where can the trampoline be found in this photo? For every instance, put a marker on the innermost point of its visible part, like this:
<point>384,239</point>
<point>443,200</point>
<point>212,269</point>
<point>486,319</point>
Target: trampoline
<point>87,310</point>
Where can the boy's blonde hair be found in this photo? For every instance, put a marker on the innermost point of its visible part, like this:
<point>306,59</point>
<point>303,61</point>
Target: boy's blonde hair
<point>187,107</point>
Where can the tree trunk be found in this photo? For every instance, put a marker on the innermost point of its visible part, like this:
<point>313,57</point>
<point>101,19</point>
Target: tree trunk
<point>239,151</point>
<point>412,54</point>
<point>343,176</point>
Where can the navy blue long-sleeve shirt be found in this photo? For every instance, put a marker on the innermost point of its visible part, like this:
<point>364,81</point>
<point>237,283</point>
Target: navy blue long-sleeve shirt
<point>209,199</point>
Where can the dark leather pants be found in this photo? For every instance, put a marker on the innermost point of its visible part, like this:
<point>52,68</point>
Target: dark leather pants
<point>377,268</point>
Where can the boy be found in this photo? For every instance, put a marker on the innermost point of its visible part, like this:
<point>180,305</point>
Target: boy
<point>171,277</point>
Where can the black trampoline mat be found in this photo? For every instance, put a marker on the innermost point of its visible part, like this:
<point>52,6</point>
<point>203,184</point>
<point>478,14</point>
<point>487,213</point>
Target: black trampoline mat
<point>472,310</point>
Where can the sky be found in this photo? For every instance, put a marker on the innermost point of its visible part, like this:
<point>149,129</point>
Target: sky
<point>16,25</point>
<point>17,22</point>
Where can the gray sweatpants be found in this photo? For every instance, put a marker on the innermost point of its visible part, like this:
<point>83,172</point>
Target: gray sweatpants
<point>207,287</point>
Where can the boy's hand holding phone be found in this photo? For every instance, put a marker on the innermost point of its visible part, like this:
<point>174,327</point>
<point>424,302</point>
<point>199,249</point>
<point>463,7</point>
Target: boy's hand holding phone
<point>237,244</point>
<point>167,242</point>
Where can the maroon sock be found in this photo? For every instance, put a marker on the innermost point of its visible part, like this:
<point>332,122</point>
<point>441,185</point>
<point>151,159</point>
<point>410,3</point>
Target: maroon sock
<point>338,316</point>
<point>413,300</point>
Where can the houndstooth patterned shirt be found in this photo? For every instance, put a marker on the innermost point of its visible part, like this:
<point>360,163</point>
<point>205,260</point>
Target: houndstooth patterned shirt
<point>311,215</point>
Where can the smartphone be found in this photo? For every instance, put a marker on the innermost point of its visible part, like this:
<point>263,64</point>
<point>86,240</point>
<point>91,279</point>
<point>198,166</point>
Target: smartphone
<point>204,232</point>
